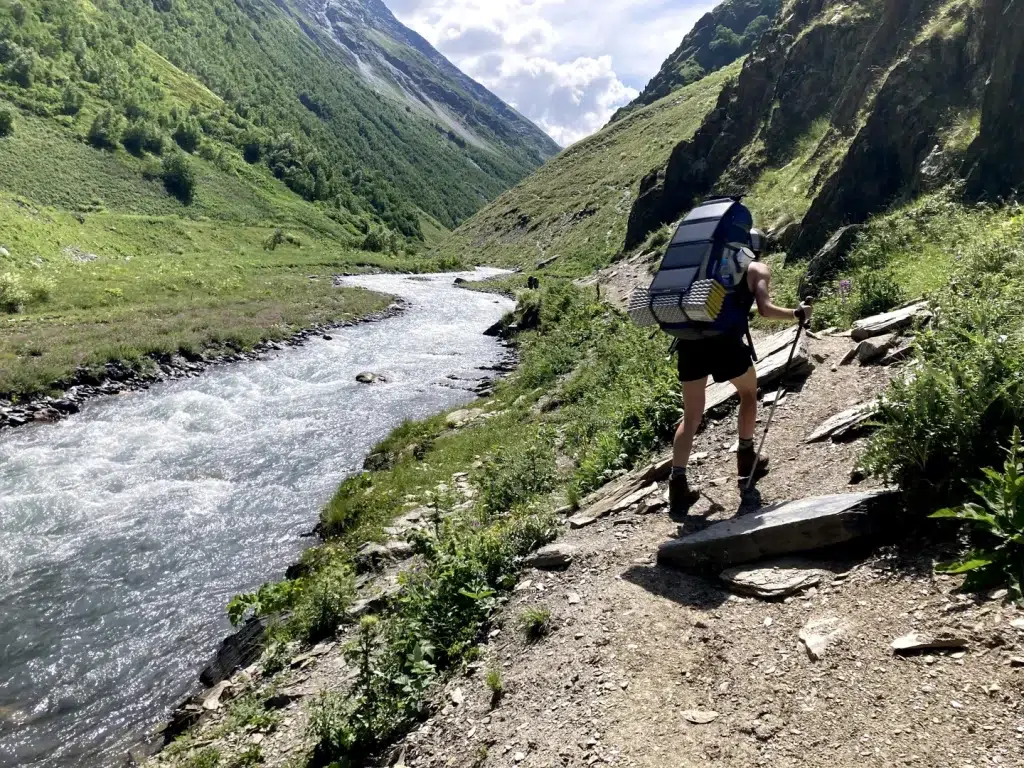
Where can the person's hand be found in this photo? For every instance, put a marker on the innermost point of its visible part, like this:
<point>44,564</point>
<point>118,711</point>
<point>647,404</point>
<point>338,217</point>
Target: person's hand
<point>803,314</point>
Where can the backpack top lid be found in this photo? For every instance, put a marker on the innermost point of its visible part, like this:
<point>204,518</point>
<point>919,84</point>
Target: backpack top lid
<point>706,229</point>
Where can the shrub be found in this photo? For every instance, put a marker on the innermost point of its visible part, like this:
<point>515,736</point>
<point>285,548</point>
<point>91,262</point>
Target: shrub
<point>495,681</point>
<point>21,71</point>
<point>536,622</point>
<point>40,290</point>
<point>376,240</point>
<point>13,295</point>
<point>250,756</point>
<point>179,178</point>
<point>520,471</point>
<point>204,758</point>
<point>324,602</point>
<point>106,129</point>
<point>6,121</point>
<point>72,101</point>
<point>152,169</point>
<point>275,239</point>
<point>944,422</point>
<point>143,136</point>
<point>999,556</point>
<point>188,135</point>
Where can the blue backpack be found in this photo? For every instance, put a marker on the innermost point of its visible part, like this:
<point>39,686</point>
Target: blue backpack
<point>695,288</point>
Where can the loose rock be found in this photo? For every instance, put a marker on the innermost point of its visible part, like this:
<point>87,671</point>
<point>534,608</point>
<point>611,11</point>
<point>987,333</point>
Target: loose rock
<point>553,556</point>
<point>700,717</point>
<point>916,642</point>
<point>773,581</point>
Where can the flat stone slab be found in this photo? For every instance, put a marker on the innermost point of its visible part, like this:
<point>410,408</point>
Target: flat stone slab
<point>796,526</point>
<point>879,325</point>
<point>774,580</point>
<point>843,423</point>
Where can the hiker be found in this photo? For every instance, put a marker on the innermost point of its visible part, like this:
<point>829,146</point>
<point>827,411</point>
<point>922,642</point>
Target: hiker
<point>725,356</point>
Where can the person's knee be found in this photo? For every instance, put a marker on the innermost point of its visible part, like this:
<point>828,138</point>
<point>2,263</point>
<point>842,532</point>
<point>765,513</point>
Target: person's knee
<point>748,397</point>
<point>691,424</point>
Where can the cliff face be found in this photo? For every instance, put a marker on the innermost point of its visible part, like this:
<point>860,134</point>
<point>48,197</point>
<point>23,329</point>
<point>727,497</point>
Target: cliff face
<point>720,37</point>
<point>910,92</point>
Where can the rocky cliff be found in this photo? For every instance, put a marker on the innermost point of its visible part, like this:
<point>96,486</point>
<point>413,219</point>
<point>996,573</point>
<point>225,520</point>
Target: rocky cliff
<point>720,37</point>
<point>912,93</point>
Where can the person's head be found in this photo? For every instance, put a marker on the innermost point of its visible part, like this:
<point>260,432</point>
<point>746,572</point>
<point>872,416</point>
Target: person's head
<point>758,241</point>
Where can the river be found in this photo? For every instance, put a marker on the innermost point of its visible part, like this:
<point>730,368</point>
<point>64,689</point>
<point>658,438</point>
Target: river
<point>125,529</point>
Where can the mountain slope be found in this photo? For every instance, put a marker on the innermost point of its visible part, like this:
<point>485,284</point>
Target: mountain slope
<point>898,98</point>
<point>399,62</point>
<point>571,214</point>
<point>127,126</point>
<point>723,35</point>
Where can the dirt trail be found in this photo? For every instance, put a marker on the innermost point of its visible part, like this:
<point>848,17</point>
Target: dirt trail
<point>637,652</point>
<point>637,649</point>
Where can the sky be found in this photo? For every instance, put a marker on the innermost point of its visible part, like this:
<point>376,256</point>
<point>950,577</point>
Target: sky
<point>565,64</point>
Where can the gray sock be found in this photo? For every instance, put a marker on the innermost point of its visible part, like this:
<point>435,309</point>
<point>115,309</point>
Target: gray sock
<point>747,445</point>
<point>678,472</point>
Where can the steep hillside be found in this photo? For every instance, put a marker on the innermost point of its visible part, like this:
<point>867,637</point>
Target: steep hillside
<point>720,37</point>
<point>895,98</point>
<point>571,214</point>
<point>320,139</point>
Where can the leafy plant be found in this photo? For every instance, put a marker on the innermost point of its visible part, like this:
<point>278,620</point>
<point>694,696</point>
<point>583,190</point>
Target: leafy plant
<point>999,556</point>
<point>106,129</point>
<point>536,622</point>
<point>495,681</point>
<point>6,121</point>
<point>13,294</point>
<point>204,758</point>
<point>188,135</point>
<point>250,712</point>
<point>179,178</point>
<point>517,473</point>
<point>252,755</point>
<point>143,136</point>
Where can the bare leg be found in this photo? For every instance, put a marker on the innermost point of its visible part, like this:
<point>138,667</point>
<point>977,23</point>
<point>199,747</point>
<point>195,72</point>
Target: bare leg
<point>746,385</point>
<point>693,414</point>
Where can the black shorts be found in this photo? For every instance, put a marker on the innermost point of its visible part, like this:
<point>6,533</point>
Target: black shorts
<point>723,357</point>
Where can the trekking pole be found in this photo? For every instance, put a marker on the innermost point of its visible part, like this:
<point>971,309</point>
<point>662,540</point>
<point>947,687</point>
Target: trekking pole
<point>775,404</point>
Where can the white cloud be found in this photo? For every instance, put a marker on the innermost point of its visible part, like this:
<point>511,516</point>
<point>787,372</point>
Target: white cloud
<point>565,64</point>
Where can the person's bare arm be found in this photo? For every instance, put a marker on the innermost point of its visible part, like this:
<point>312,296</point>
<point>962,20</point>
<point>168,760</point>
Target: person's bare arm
<point>759,278</point>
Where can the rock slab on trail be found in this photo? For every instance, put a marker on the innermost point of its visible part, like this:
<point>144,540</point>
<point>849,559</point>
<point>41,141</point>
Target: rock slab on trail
<point>843,423</point>
<point>774,353</point>
<point>796,526</point>
<point>879,325</point>
<point>773,581</point>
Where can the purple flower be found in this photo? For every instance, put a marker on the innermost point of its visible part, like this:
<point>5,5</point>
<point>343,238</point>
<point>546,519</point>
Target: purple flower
<point>845,287</point>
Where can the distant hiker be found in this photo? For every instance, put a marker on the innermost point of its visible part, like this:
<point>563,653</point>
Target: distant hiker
<point>702,295</point>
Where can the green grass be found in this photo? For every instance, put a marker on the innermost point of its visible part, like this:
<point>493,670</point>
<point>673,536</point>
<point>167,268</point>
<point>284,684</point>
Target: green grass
<point>536,622</point>
<point>162,284</point>
<point>576,207</point>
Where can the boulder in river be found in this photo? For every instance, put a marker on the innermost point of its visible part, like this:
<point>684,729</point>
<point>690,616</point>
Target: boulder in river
<point>367,377</point>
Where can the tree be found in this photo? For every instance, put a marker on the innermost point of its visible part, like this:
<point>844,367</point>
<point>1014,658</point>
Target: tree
<point>179,178</point>
<point>188,134</point>
<point>6,121</point>
<point>106,129</point>
<point>143,136</point>
<point>73,101</point>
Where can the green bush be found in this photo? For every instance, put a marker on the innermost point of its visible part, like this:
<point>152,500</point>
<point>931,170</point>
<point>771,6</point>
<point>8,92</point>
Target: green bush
<point>179,178</point>
<point>6,121</point>
<point>106,129</point>
<point>519,472</point>
<point>72,101</point>
<point>947,419</point>
<point>324,602</point>
<point>14,297</point>
<point>143,136</point>
<point>204,758</point>
<point>251,755</point>
<point>188,135</point>
<point>536,622</point>
<point>998,557</point>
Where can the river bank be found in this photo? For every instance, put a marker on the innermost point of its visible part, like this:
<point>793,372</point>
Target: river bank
<point>126,529</point>
<point>117,378</point>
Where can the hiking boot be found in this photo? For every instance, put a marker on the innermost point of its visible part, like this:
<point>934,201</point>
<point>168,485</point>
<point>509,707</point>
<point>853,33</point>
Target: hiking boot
<point>681,496</point>
<point>745,459</point>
